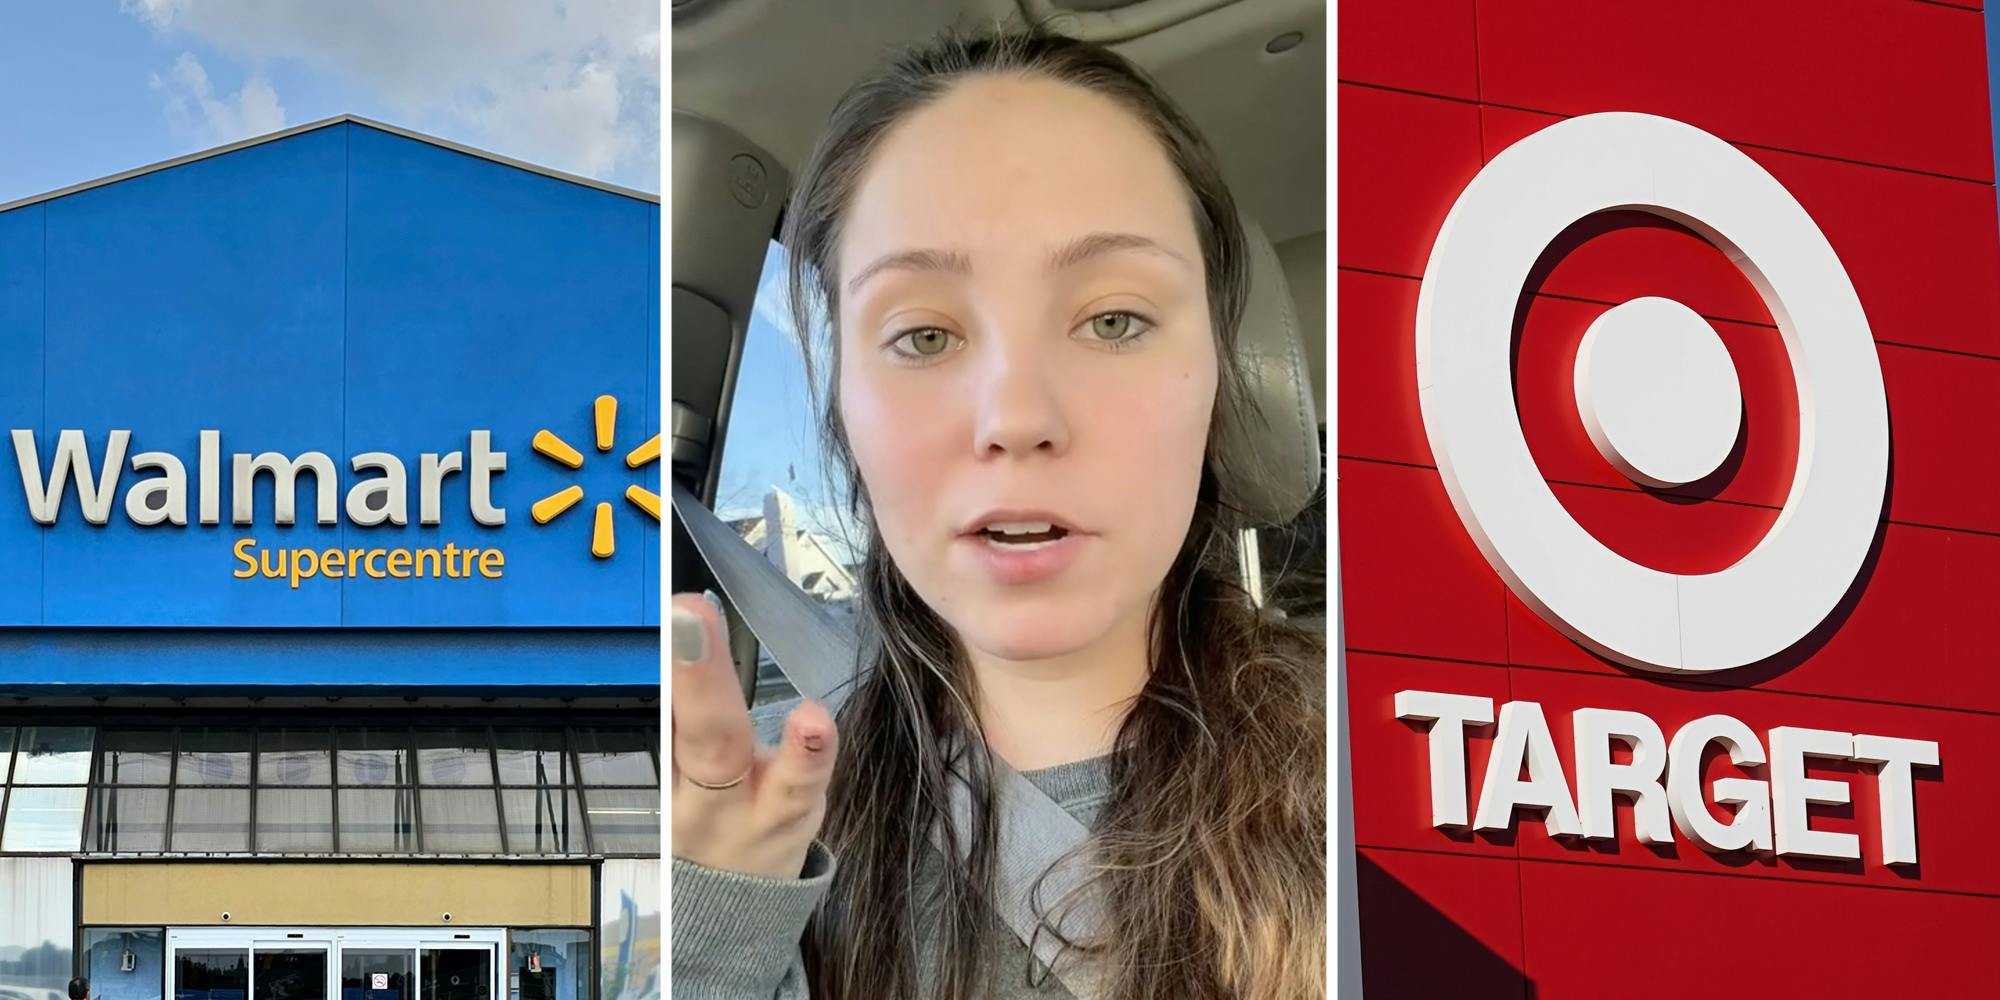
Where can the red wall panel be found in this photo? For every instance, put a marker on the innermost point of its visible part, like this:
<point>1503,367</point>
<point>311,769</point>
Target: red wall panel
<point>1378,414</point>
<point>1422,45</point>
<point>1591,931</point>
<point>1896,84</point>
<point>1873,114</point>
<point>1414,950</point>
<point>1403,159</point>
<point>1395,786</point>
<point>1427,589</point>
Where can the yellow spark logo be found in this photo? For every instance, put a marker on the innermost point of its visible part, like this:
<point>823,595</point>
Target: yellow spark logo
<point>552,447</point>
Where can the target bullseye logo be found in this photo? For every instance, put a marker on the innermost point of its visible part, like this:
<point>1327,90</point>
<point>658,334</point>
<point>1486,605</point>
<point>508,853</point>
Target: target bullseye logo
<point>1656,390</point>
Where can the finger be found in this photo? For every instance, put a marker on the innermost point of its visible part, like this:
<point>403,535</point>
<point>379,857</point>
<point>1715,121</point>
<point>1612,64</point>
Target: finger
<point>795,781</point>
<point>713,741</point>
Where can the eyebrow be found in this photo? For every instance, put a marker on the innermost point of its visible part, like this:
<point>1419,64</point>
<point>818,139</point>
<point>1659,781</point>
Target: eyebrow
<point>1070,254</point>
<point>947,261</point>
<point>1084,248</point>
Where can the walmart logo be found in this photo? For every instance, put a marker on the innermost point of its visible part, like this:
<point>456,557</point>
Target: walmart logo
<point>550,507</point>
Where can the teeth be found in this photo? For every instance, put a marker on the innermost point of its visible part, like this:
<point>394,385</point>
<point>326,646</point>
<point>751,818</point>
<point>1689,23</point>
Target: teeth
<point>1021,528</point>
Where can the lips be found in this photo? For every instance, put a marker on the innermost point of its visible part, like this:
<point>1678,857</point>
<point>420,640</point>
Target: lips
<point>1017,547</point>
<point>1017,523</point>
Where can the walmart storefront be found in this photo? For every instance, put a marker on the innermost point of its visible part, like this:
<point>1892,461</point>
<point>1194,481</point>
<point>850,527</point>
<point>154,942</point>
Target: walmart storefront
<point>329,646</point>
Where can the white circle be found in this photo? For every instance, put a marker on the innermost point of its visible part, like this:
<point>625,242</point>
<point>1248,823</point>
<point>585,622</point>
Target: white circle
<point>1798,572</point>
<point>1657,392</point>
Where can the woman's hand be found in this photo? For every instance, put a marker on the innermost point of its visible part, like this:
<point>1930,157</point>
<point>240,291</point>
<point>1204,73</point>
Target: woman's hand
<point>737,807</point>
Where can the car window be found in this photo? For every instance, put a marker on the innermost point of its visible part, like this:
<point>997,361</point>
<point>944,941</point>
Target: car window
<point>773,489</point>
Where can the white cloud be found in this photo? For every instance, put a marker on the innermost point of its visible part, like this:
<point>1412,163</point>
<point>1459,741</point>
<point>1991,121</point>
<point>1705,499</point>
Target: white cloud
<point>570,84</point>
<point>194,109</point>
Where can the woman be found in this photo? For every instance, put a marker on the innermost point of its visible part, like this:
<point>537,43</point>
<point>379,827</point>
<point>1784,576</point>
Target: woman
<point>1034,274</point>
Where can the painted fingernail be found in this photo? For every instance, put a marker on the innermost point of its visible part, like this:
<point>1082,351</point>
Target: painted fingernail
<point>721,616</point>
<point>690,637</point>
<point>813,741</point>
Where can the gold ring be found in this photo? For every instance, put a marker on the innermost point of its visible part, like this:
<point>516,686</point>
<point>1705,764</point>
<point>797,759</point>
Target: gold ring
<point>731,783</point>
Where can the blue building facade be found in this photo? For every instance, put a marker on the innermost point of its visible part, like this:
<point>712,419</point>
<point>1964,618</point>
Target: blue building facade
<point>329,556</point>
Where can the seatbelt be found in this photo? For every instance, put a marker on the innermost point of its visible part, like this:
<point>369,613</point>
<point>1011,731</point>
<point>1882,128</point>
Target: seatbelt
<point>813,650</point>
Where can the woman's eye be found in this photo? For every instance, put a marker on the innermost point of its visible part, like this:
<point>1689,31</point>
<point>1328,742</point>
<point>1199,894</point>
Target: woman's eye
<point>926,342</point>
<point>1116,327</point>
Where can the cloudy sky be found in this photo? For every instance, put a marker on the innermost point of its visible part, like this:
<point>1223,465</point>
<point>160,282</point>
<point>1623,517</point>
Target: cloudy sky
<point>99,86</point>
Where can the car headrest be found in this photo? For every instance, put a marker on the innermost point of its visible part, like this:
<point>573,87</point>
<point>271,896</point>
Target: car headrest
<point>1267,458</point>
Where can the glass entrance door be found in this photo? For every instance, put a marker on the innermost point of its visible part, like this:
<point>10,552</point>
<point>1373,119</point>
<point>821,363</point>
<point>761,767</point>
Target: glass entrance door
<point>456,973</point>
<point>285,963</point>
<point>377,974</point>
<point>288,972</point>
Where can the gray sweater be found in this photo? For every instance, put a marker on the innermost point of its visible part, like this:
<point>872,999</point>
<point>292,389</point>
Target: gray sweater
<point>736,937</point>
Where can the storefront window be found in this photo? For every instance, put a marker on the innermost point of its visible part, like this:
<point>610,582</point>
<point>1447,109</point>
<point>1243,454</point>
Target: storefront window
<point>36,921</point>
<point>291,789</point>
<point>454,757</point>
<point>543,820</point>
<point>625,820</point>
<point>615,757</point>
<point>43,819</point>
<point>211,974</point>
<point>374,757</point>
<point>123,963</point>
<point>53,755</point>
<point>127,820</point>
<point>532,757</point>
<point>628,929</point>
<point>294,820</point>
<point>378,821</point>
<point>214,757</point>
<point>294,757</point>
<point>135,756</point>
<point>211,820</point>
<point>550,964</point>
<point>359,969</point>
<point>460,822</point>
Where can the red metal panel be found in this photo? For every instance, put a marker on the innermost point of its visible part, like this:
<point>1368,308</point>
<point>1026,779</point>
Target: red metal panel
<point>1920,250</point>
<point>1379,414</point>
<point>1593,932</point>
<point>1897,84</point>
<point>1403,160</point>
<point>1873,114</point>
<point>1943,412</point>
<point>1439,925</point>
<point>1392,783</point>
<point>1423,45</point>
<point>1415,582</point>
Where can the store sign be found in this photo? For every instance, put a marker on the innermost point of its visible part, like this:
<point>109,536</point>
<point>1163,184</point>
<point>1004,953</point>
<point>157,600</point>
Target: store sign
<point>378,497</point>
<point>1660,425</point>
<point>1657,394</point>
<point>1663,778</point>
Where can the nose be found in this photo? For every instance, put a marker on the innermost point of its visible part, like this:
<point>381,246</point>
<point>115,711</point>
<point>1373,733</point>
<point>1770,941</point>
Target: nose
<point>1019,409</point>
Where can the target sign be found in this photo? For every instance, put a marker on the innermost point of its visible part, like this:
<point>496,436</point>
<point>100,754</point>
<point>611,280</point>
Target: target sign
<point>1655,390</point>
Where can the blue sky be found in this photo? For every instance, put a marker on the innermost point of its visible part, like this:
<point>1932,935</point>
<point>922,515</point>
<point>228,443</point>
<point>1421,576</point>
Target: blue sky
<point>773,434</point>
<point>100,86</point>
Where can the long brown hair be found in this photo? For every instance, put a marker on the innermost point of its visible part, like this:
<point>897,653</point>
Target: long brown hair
<point>1209,857</point>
